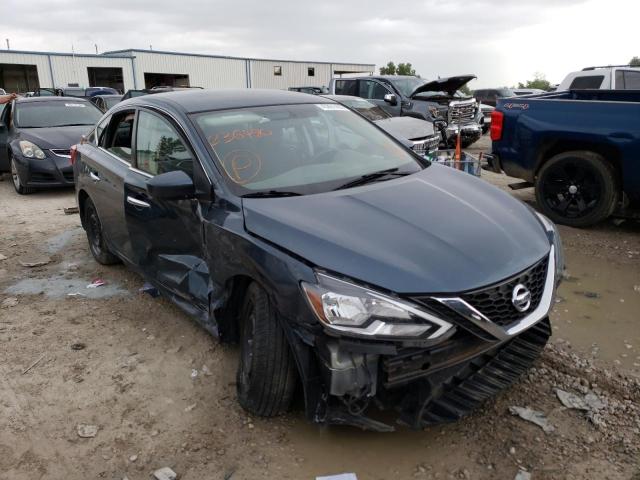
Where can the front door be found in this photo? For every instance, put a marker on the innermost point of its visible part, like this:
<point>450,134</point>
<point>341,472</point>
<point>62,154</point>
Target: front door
<point>375,91</point>
<point>166,235</point>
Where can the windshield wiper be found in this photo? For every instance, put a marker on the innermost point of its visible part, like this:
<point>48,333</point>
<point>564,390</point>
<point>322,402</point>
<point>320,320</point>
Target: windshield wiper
<point>370,177</point>
<point>271,194</point>
<point>73,125</point>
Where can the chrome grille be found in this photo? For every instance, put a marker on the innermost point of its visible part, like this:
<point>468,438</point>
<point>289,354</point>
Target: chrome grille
<point>495,302</point>
<point>424,146</point>
<point>461,112</point>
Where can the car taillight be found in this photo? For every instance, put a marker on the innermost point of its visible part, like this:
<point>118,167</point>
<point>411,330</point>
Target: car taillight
<point>74,153</point>
<point>497,119</point>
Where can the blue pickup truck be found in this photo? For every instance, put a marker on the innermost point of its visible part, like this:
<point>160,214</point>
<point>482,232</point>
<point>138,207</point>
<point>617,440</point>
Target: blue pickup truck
<point>580,149</point>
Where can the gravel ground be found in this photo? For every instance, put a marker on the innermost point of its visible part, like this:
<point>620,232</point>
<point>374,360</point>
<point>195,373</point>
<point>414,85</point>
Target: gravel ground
<point>111,383</point>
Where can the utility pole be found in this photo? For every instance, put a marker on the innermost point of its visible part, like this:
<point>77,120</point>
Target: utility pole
<point>8,47</point>
<point>96,45</point>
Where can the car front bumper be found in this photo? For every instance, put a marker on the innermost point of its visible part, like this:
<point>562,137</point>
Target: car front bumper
<point>469,132</point>
<point>440,382</point>
<point>49,172</point>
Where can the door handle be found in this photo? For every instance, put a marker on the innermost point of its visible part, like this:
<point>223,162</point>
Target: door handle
<point>137,203</point>
<point>94,177</point>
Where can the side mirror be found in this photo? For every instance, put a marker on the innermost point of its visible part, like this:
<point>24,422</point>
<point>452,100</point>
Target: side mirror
<point>175,185</point>
<point>391,99</point>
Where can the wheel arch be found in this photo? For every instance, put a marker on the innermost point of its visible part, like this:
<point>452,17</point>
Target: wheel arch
<point>83,196</point>
<point>609,152</point>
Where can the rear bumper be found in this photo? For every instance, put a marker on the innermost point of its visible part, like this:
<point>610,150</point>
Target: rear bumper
<point>45,173</point>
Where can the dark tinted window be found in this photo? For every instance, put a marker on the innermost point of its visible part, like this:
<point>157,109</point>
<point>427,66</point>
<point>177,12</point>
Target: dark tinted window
<point>97,136</point>
<point>159,148</point>
<point>627,80</point>
<point>372,90</point>
<point>346,87</point>
<point>117,139</point>
<point>592,81</point>
<point>311,71</point>
<point>56,114</point>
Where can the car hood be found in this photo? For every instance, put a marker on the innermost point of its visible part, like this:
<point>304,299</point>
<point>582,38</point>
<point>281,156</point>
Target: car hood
<point>406,127</point>
<point>436,231</point>
<point>449,84</point>
<point>54,137</point>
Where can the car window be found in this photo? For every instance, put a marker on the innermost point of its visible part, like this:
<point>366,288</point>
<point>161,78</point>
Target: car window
<point>369,110</point>
<point>56,113</point>
<point>627,80</point>
<point>372,90</point>
<point>586,82</point>
<point>346,87</point>
<point>159,147</point>
<point>308,148</point>
<point>118,136</point>
<point>97,137</point>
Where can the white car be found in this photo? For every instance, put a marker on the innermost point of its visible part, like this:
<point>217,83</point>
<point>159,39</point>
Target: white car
<point>603,78</point>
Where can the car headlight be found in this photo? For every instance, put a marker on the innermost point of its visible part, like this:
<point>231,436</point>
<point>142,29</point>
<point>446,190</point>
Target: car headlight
<point>31,150</point>
<point>556,241</point>
<point>345,308</point>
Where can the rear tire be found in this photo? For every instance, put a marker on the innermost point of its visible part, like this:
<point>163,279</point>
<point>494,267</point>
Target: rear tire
<point>97,245</point>
<point>266,376</point>
<point>17,183</point>
<point>577,188</point>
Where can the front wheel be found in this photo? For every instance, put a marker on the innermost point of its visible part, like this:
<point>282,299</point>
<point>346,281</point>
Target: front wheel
<point>577,188</point>
<point>97,245</point>
<point>266,374</point>
<point>17,183</point>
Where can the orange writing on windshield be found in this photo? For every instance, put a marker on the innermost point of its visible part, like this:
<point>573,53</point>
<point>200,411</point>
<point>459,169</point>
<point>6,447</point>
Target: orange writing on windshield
<point>229,137</point>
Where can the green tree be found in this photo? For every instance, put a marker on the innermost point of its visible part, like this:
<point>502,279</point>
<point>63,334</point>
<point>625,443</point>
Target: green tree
<point>539,81</point>
<point>401,69</point>
<point>390,69</point>
<point>405,69</point>
<point>635,62</point>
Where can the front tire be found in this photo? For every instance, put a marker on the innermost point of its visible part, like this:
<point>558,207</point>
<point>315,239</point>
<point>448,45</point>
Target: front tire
<point>97,245</point>
<point>17,183</point>
<point>577,188</point>
<point>266,374</point>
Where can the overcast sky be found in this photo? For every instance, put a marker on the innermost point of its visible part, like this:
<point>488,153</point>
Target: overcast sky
<point>502,42</point>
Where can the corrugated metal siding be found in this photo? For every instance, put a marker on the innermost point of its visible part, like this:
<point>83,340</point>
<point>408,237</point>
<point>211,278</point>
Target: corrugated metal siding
<point>207,72</point>
<point>40,61</point>
<point>293,74</point>
<point>73,69</point>
<point>354,67</point>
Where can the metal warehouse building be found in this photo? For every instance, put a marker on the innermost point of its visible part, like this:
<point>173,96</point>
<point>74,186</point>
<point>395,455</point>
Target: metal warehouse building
<point>22,71</point>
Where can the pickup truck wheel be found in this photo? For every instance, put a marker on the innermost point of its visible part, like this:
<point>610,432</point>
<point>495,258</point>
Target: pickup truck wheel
<point>266,374</point>
<point>97,245</point>
<point>577,188</point>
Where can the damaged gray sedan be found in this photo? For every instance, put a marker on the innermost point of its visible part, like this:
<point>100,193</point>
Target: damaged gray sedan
<point>337,258</point>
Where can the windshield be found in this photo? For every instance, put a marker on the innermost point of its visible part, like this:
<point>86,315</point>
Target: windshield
<point>111,101</point>
<point>56,114</point>
<point>368,110</point>
<point>300,149</point>
<point>407,85</point>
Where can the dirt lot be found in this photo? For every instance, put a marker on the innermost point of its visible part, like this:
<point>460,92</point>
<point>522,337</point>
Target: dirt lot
<point>161,392</point>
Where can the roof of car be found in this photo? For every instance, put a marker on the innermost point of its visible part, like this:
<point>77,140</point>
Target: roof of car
<point>49,98</point>
<point>108,95</point>
<point>343,98</point>
<point>191,101</point>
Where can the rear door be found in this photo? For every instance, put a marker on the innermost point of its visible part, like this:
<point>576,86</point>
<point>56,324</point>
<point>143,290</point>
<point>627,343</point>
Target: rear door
<point>166,235</point>
<point>105,169</point>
